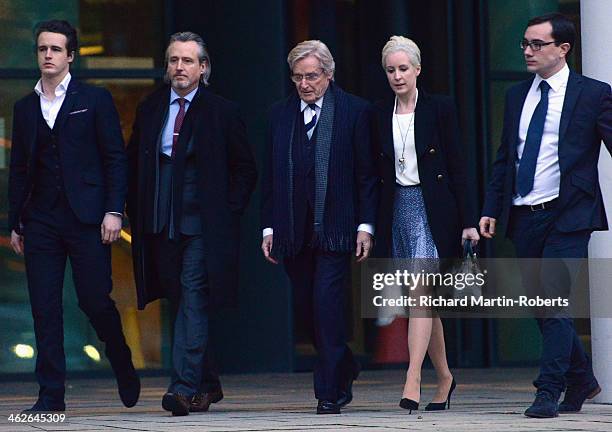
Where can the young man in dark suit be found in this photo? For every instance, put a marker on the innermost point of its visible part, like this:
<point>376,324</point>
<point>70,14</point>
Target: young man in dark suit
<point>544,191</point>
<point>319,200</point>
<point>192,173</point>
<point>67,186</point>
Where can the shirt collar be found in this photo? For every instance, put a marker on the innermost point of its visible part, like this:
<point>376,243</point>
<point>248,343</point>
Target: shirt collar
<point>60,90</point>
<point>189,96</point>
<point>318,103</point>
<point>556,81</point>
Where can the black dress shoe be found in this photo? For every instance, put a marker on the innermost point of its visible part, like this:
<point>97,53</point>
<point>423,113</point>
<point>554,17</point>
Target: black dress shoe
<point>176,403</point>
<point>129,388</point>
<point>544,406</point>
<point>440,406</point>
<point>44,406</point>
<point>346,394</point>
<point>409,404</point>
<point>201,401</point>
<point>576,395</point>
<point>328,407</point>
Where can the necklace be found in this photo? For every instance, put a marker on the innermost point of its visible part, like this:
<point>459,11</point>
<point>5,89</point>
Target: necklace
<point>404,136</point>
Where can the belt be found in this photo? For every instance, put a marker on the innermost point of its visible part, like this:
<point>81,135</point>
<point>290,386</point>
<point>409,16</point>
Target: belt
<point>537,207</point>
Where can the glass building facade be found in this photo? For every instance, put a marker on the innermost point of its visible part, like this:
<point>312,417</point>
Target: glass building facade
<point>469,50</point>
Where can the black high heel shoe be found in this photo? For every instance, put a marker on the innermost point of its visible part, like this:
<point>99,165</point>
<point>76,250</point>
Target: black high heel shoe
<point>440,406</point>
<point>409,404</point>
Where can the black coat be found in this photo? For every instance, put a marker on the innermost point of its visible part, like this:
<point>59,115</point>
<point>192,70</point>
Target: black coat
<point>227,176</point>
<point>351,195</point>
<point>92,154</point>
<point>441,169</point>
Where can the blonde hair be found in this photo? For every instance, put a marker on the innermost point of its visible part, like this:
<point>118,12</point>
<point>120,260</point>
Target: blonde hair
<point>314,48</point>
<point>401,43</point>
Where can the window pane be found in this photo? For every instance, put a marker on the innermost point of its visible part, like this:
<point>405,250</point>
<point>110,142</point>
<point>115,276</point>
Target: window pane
<point>112,33</point>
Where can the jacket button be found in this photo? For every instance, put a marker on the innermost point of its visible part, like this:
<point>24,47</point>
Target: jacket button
<point>382,181</point>
<point>432,150</point>
<point>440,177</point>
<point>382,154</point>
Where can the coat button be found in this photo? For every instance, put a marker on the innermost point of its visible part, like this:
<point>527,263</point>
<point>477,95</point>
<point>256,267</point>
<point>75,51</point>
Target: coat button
<point>382,154</point>
<point>440,177</point>
<point>382,181</point>
<point>432,150</point>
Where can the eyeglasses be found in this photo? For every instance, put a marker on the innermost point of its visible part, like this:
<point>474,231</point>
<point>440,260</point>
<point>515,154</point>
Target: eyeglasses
<point>312,76</point>
<point>535,45</point>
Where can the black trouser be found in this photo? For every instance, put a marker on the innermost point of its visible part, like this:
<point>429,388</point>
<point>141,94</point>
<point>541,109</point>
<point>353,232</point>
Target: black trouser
<point>318,280</point>
<point>182,263</point>
<point>563,361</point>
<point>50,236</point>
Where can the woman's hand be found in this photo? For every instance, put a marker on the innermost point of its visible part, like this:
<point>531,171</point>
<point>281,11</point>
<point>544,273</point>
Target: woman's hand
<point>470,234</point>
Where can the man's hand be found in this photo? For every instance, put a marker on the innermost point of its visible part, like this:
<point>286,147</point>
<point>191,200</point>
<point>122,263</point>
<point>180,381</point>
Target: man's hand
<point>110,228</point>
<point>470,234</point>
<point>17,242</point>
<point>487,226</point>
<point>266,248</point>
<point>364,245</point>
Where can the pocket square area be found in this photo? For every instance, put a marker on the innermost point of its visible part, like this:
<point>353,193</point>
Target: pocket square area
<point>78,111</point>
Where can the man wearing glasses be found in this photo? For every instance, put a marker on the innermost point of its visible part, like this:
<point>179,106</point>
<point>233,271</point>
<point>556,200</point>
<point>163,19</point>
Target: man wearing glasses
<point>319,198</point>
<point>544,191</point>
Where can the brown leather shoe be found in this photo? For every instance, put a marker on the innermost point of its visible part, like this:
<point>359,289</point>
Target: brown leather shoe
<point>201,401</point>
<point>176,403</point>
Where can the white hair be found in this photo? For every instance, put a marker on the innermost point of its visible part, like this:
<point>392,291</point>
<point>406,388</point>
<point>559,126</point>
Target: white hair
<point>401,43</point>
<point>316,49</point>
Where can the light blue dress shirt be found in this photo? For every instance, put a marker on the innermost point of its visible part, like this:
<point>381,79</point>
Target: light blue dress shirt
<point>166,144</point>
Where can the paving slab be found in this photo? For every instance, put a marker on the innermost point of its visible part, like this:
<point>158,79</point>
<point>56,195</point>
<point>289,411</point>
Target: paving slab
<point>485,400</point>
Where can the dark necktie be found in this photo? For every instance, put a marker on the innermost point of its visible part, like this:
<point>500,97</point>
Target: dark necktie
<point>311,124</point>
<point>178,123</point>
<point>529,158</point>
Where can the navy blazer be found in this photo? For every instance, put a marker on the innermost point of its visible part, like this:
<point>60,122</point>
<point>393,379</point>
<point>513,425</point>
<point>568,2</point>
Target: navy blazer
<point>92,153</point>
<point>586,120</point>
<point>442,173</point>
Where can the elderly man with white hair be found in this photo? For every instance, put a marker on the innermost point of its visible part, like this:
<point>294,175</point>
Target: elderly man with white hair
<point>319,201</point>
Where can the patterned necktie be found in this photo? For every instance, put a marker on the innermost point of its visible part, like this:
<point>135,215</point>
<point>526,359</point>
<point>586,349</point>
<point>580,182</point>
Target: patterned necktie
<point>529,158</point>
<point>313,121</point>
<point>178,123</point>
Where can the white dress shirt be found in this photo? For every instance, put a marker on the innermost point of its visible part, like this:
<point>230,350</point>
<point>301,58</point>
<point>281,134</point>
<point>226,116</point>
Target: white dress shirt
<point>308,115</point>
<point>403,133</point>
<point>51,107</point>
<point>168,132</point>
<point>547,174</point>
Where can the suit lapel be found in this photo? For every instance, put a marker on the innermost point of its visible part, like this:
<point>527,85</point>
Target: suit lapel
<point>516,109</point>
<point>69,101</point>
<point>200,109</point>
<point>424,121</point>
<point>158,117</point>
<point>33,111</point>
<point>572,92</point>
<point>287,123</point>
<point>386,125</point>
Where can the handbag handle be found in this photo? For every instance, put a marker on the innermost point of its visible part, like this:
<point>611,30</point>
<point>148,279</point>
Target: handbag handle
<point>468,249</point>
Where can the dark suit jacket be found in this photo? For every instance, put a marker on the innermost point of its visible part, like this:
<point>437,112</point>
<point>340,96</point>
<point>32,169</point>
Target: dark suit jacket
<point>227,176</point>
<point>92,153</point>
<point>586,120</point>
<point>441,172</point>
<point>351,196</point>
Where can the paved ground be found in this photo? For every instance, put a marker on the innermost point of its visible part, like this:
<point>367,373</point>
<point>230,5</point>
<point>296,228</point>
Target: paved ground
<point>486,400</point>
